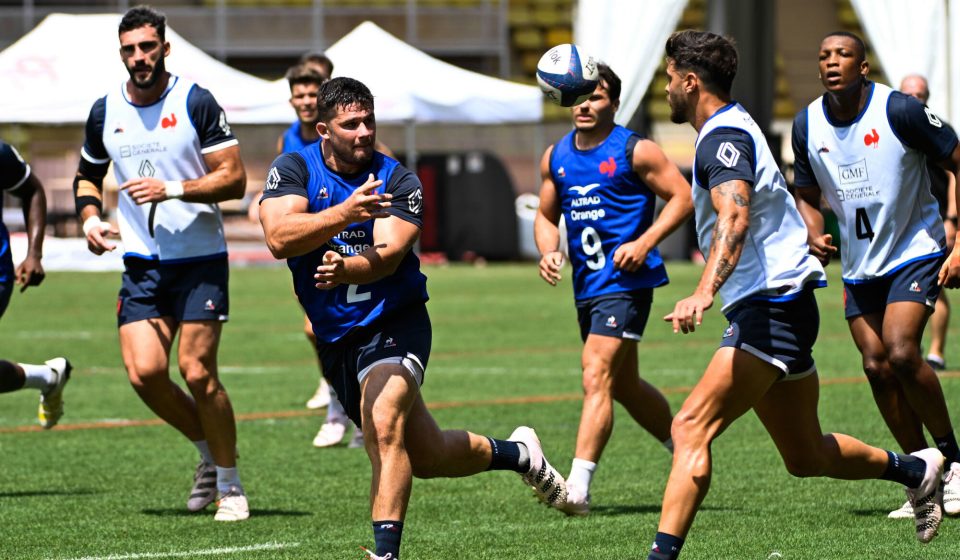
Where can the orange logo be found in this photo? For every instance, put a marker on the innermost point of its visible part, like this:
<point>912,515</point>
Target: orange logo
<point>169,123</point>
<point>873,138</point>
<point>608,167</point>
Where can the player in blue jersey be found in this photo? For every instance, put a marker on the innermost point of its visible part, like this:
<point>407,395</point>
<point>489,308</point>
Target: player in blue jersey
<point>346,218</point>
<point>175,157</point>
<point>864,147</point>
<point>604,180</point>
<point>943,187</point>
<point>758,261</point>
<point>17,179</point>
<point>305,84</point>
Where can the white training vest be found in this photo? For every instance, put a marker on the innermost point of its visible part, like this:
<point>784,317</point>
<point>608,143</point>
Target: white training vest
<point>878,188</point>
<point>775,261</point>
<point>160,141</point>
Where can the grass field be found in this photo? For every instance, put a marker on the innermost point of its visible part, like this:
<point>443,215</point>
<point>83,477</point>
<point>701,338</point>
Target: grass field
<point>505,352</point>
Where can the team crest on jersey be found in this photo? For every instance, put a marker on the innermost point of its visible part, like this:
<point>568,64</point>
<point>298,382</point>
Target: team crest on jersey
<point>872,139</point>
<point>273,179</point>
<point>169,122</point>
<point>915,287</point>
<point>118,128</point>
<point>727,154</point>
<point>223,123</point>
<point>934,120</point>
<point>147,169</point>
<point>389,342</point>
<point>611,322</point>
<point>561,172</point>
<point>823,149</point>
<point>323,193</point>
<point>415,201</point>
<point>608,167</point>
<point>209,306</point>
<point>728,332</point>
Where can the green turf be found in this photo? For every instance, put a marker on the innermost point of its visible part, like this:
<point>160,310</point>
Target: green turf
<point>499,333</point>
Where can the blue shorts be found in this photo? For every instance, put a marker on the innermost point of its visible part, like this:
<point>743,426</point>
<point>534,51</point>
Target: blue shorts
<point>6,289</point>
<point>914,281</point>
<point>620,315</point>
<point>779,333</point>
<point>191,291</point>
<point>402,338</point>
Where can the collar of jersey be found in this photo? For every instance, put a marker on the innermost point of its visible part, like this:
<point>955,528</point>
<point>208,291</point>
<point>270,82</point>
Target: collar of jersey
<point>844,124</point>
<point>170,85</point>
<point>723,109</point>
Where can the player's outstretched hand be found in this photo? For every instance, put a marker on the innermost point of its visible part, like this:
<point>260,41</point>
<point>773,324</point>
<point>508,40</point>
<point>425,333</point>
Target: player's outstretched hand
<point>330,274</point>
<point>365,203</point>
<point>949,276</point>
<point>688,313</point>
<point>822,248</point>
<point>145,189</point>
<point>29,273</point>
<point>630,256</point>
<point>97,241</point>
<point>550,264</point>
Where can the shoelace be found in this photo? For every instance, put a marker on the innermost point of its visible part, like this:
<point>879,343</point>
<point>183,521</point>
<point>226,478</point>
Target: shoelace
<point>372,556</point>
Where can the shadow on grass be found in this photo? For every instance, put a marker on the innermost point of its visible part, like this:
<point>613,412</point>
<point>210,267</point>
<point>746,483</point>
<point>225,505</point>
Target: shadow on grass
<point>44,493</point>
<point>171,512</point>
<point>872,512</point>
<point>643,508</point>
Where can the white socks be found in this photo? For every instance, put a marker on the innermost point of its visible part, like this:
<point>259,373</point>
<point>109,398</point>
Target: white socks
<point>227,479</point>
<point>581,473</point>
<point>39,377</point>
<point>335,412</point>
<point>204,450</point>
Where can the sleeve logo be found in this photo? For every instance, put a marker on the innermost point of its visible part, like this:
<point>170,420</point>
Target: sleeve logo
<point>273,179</point>
<point>415,201</point>
<point>728,154</point>
<point>223,123</point>
<point>934,120</point>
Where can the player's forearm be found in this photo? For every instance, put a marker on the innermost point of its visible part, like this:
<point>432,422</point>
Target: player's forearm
<point>546,234</point>
<point>228,182</point>
<point>298,234</point>
<point>371,265</point>
<point>674,214</point>
<point>35,217</point>
<point>727,246</point>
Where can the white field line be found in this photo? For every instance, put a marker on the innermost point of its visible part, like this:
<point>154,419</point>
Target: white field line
<point>192,553</point>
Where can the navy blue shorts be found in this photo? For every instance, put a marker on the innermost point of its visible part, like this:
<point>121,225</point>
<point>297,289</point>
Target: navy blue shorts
<point>779,333</point>
<point>402,338</point>
<point>914,281</point>
<point>6,289</point>
<point>191,291</point>
<point>620,315</point>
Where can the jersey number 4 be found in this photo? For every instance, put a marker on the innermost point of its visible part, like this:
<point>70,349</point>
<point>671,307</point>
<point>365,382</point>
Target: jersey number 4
<point>864,231</point>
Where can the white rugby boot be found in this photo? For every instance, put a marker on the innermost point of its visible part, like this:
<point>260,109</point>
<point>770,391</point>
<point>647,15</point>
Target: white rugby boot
<point>542,477</point>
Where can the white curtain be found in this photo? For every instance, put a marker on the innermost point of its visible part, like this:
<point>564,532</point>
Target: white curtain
<point>628,35</point>
<point>910,37</point>
<point>953,63</point>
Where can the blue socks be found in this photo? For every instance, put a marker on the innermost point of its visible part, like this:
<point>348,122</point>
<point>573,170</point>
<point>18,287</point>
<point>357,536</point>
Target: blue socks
<point>508,456</point>
<point>905,469</point>
<point>665,547</point>
<point>387,535</point>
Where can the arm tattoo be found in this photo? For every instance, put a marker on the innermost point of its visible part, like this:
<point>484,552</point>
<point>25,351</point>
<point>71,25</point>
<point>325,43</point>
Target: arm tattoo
<point>729,232</point>
<point>729,189</point>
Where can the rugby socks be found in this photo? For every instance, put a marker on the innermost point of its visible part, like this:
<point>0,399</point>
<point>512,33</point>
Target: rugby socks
<point>204,450</point>
<point>905,469</point>
<point>387,535</point>
<point>665,547</point>
<point>39,377</point>
<point>508,456</point>
<point>228,479</point>
<point>10,378</point>
<point>668,444</point>
<point>581,473</point>
<point>948,447</point>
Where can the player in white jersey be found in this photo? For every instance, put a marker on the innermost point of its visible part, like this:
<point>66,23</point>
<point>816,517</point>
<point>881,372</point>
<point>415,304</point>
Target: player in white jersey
<point>758,261</point>
<point>604,180</point>
<point>864,148</point>
<point>175,158</point>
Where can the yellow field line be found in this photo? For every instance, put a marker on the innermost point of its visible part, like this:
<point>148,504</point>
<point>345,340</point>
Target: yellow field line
<point>108,424</point>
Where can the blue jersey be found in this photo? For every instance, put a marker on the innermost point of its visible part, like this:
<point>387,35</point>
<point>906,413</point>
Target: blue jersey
<point>292,141</point>
<point>604,205</point>
<point>336,312</point>
<point>13,174</point>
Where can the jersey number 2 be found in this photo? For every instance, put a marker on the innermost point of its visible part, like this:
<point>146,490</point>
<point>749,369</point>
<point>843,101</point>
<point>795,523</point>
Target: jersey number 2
<point>864,231</point>
<point>592,248</point>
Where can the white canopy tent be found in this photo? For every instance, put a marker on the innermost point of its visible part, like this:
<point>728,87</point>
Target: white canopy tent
<point>631,46</point>
<point>54,73</point>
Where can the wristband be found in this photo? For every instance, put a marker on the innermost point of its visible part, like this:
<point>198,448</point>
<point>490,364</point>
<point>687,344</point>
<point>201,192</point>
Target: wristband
<point>174,189</point>
<point>94,222</point>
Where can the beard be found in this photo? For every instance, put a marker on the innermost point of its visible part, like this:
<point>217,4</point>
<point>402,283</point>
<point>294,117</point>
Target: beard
<point>151,79</point>
<point>348,154</point>
<point>678,108</point>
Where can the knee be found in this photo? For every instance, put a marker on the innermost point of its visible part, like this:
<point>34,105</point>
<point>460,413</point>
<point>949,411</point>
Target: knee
<point>597,380</point>
<point>688,431</point>
<point>382,428</point>
<point>877,370</point>
<point>144,377</point>
<point>904,359</point>
<point>200,379</point>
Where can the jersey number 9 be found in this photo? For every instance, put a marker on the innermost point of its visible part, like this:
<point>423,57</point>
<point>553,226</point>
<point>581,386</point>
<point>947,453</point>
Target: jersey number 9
<point>592,248</point>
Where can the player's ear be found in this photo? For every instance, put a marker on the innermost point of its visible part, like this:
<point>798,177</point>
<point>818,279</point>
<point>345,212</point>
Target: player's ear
<point>864,68</point>
<point>323,130</point>
<point>166,49</point>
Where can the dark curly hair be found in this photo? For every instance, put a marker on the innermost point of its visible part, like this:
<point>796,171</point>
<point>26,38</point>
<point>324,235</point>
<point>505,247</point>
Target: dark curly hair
<point>610,81</point>
<point>135,18</point>
<point>711,57</point>
<point>342,92</point>
<point>856,39</point>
